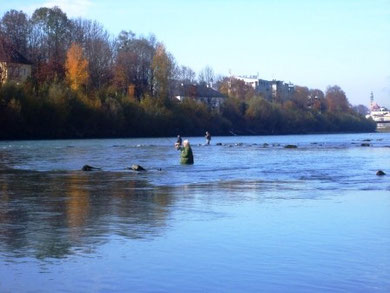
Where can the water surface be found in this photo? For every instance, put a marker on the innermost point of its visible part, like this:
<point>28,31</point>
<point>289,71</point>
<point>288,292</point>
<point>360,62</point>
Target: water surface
<point>249,216</point>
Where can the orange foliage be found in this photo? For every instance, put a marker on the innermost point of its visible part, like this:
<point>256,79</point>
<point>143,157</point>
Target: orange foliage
<point>131,91</point>
<point>76,67</point>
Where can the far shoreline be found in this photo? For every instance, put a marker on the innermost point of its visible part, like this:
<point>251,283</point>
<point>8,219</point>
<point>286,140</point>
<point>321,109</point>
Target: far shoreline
<point>185,135</point>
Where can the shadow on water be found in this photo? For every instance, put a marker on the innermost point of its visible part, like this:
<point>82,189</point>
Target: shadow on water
<point>52,215</point>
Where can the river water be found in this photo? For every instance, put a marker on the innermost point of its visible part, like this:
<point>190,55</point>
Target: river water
<point>248,216</point>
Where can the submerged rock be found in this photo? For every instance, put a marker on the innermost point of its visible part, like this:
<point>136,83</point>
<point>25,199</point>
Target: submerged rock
<point>365,144</point>
<point>137,168</point>
<point>290,146</point>
<point>380,173</point>
<point>89,168</point>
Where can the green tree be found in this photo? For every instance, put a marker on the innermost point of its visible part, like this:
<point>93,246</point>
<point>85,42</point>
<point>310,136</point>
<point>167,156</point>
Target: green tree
<point>15,25</point>
<point>262,116</point>
<point>51,30</point>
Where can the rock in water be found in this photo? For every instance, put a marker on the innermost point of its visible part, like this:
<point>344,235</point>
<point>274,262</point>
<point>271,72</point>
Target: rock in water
<point>380,173</point>
<point>86,168</point>
<point>290,146</point>
<point>89,168</point>
<point>365,144</point>
<point>218,143</point>
<point>137,168</point>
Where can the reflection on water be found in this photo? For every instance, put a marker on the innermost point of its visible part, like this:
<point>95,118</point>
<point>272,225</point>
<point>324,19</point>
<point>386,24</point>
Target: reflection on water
<point>49,215</point>
<point>244,218</point>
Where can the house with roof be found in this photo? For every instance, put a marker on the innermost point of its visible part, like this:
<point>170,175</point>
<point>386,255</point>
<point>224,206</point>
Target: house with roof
<point>201,93</point>
<point>13,65</point>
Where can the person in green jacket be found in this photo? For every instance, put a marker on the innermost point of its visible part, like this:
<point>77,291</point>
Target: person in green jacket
<point>186,156</point>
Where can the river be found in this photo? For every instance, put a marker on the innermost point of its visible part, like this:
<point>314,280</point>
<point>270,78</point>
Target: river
<point>249,216</point>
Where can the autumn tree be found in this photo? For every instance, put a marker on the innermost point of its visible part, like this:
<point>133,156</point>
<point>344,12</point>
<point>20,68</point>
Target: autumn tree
<point>2,55</point>
<point>124,69</point>
<point>133,63</point>
<point>1,76</point>
<point>98,50</point>
<point>317,100</point>
<point>237,88</point>
<point>336,99</point>
<point>124,73</point>
<point>76,67</point>
<point>301,97</point>
<point>162,68</point>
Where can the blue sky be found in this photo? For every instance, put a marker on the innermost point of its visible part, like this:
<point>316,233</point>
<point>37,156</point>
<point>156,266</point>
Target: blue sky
<point>312,43</point>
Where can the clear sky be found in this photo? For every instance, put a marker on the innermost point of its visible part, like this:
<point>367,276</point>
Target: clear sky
<point>313,43</point>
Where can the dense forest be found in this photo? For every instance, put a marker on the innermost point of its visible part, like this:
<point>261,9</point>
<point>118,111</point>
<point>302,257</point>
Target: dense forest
<point>87,83</point>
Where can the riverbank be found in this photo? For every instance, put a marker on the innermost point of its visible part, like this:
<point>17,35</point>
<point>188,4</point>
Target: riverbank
<point>60,113</point>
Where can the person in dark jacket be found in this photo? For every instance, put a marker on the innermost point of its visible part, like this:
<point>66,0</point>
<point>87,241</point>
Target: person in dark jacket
<point>186,156</point>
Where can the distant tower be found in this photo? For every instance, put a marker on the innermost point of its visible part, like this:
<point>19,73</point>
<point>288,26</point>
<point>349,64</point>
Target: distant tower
<point>371,102</point>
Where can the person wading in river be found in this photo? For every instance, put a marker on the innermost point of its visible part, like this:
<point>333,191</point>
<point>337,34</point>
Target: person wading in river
<point>208,137</point>
<point>179,140</point>
<point>186,156</point>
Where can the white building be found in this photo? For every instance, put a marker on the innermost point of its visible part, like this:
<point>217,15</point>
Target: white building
<point>253,81</point>
<point>13,65</point>
<point>269,89</point>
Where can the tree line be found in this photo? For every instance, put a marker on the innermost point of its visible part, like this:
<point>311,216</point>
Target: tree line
<point>87,83</point>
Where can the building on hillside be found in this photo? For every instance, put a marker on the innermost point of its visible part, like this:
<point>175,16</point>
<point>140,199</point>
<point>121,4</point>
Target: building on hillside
<point>201,93</point>
<point>381,115</point>
<point>253,81</point>
<point>272,90</point>
<point>13,65</point>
